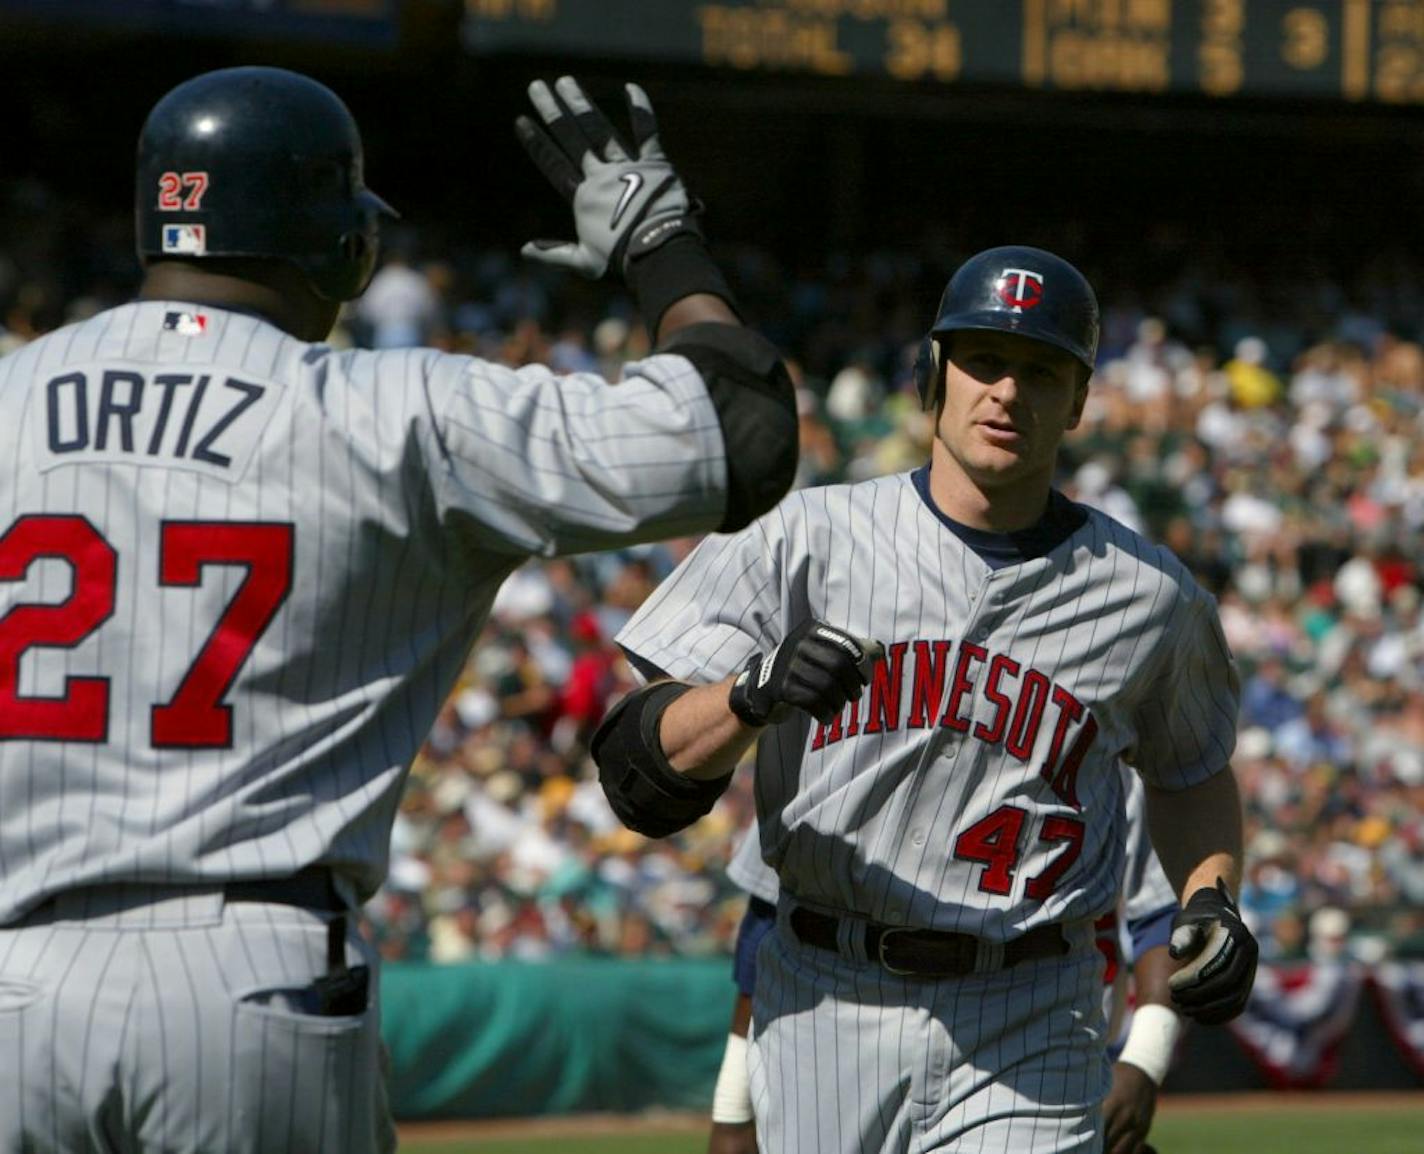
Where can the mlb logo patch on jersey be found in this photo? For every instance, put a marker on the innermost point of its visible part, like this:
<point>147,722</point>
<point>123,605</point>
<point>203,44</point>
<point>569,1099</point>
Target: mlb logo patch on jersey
<point>185,324</point>
<point>185,239</point>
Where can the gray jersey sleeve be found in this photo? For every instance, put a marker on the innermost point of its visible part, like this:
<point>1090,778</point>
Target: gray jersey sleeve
<point>718,607</point>
<point>1145,888</point>
<point>747,869</point>
<point>1186,720</point>
<point>722,604</point>
<point>531,462</point>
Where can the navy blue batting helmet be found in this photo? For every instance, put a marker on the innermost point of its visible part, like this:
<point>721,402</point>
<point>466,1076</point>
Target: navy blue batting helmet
<point>1014,289</point>
<point>259,163</point>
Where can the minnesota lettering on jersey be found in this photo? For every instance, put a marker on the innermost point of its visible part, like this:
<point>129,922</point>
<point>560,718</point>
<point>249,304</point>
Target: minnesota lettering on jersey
<point>198,418</point>
<point>1021,702</point>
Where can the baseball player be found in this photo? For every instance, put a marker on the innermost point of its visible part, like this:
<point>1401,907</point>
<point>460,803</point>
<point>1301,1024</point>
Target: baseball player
<point>944,668</point>
<point>1142,1039</point>
<point>239,573</point>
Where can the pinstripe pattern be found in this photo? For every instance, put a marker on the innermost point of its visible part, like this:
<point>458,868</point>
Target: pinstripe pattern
<point>1145,892</point>
<point>409,485</point>
<point>415,481</point>
<point>849,1058</point>
<point>749,871</point>
<point>127,1038</point>
<point>1010,691</point>
<point>1159,683</point>
<point>1145,888</point>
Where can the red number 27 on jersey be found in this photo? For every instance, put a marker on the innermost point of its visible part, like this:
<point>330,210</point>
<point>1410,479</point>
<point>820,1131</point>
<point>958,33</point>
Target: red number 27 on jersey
<point>195,716</point>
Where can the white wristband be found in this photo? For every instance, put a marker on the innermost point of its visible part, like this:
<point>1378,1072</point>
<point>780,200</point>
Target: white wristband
<point>732,1099</point>
<point>1151,1040</point>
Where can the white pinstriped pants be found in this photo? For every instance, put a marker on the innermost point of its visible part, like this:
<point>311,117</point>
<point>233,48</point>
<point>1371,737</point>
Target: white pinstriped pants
<point>135,1028</point>
<point>849,1059</point>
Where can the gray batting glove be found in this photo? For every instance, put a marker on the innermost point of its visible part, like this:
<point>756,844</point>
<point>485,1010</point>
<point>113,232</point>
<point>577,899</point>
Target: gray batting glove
<point>817,668</point>
<point>627,201</point>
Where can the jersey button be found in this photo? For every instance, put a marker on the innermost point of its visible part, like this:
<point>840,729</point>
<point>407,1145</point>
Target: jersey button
<point>917,837</point>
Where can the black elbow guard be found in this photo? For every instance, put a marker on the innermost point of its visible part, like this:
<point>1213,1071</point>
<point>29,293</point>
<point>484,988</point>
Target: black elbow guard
<point>647,794</point>
<point>756,405</point>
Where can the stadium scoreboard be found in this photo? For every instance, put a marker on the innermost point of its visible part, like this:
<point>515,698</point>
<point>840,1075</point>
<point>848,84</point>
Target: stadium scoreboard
<point>1355,50</point>
<point>358,22</point>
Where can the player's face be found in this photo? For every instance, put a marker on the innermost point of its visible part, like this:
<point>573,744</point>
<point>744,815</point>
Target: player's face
<point>1008,400</point>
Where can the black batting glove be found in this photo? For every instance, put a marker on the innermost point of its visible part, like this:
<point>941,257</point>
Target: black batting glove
<point>1215,984</point>
<point>817,668</point>
<point>627,198</point>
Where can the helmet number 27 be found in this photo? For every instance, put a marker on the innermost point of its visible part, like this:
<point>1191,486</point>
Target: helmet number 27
<point>181,192</point>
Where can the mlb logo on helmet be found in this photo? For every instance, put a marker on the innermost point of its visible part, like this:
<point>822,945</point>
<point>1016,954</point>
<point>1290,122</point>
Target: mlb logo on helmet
<point>185,239</point>
<point>1020,289</point>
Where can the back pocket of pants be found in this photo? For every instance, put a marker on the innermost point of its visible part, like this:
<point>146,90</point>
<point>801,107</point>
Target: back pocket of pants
<point>303,1081</point>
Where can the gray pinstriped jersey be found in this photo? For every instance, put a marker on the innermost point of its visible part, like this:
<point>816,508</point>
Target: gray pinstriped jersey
<point>1145,892</point>
<point>239,573</point>
<point>972,786</point>
<point>749,871</point>
<point>1145,888</point>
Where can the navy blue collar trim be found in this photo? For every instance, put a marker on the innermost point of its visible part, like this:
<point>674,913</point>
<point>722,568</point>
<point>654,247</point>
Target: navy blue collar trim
<point>1061,519</point>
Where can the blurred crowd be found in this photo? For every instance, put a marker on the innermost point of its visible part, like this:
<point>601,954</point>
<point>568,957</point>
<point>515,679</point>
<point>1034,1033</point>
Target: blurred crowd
<point>1264,423</point>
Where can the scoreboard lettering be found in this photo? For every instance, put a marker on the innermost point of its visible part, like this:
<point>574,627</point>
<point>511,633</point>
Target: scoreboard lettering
<point>1220,55</point>
<point>914,50</point>
<point>773,39</point>
<point>1399,53</point>
<point>1112,45</point>
<point>1341,49</point>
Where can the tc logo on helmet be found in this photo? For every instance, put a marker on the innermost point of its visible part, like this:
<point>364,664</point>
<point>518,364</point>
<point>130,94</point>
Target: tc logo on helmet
<point>1019,288</point>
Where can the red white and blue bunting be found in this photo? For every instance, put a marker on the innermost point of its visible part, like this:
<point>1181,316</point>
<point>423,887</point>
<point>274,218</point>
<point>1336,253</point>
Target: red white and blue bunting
<point>1296,1020</point>
<point>1398,989</point>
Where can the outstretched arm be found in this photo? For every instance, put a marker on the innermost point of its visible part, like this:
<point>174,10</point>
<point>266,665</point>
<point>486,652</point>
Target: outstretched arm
<point>699,308</point>
<point>634,218</point>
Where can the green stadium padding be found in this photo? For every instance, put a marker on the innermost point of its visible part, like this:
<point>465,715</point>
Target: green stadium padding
<point>567,1036</point>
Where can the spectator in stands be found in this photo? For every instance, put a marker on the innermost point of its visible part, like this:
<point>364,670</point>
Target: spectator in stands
<point>399,308</point>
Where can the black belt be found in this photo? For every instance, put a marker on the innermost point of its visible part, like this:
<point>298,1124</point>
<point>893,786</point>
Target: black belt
<point>341,990</point>
<point>313,888</point>
<point>929,953</point>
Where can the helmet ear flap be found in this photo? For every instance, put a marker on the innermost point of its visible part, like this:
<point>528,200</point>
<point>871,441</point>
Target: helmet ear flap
<point>926,372</point>
<point>346,275</point>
